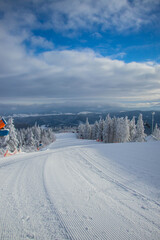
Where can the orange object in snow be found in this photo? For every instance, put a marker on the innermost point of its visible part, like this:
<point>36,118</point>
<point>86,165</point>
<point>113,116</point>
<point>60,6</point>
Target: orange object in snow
<point>2,123</point>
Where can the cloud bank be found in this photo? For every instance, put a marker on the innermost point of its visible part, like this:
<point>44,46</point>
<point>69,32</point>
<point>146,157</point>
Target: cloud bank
<point>72,74</point>
<point>65,15</point>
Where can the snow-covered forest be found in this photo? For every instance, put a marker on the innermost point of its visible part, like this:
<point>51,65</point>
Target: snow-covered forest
<point>116,130</point>
<point>27,140</point>
<point>110,130</point>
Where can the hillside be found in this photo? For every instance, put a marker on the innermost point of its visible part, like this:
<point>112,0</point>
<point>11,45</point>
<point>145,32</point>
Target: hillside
<point>81,189</point>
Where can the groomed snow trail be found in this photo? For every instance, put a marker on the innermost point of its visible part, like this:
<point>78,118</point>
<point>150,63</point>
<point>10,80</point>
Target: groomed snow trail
<point>79,189</point>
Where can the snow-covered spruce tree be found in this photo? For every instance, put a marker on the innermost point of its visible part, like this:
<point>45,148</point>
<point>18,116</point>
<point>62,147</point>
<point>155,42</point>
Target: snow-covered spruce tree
<point>87,130</point>
<point>156,132</point>
<point>47,136</point>
<point>107,129</point>
<point>30,141</point>
<point>81,131</point>
<point>37,132</point>
<point>94,130</point>
<point>140,135</point>
<point>125,132</point>
<point>100,129</point>
<point>112,131</point>
<point>114,124</point>
<point>20,138</point>
<point>51,135</point>
<point>132,130</point>
<point>45,140</point>
<point>3,144</point>
<point>12,141</point>
<point>122,130</point>
<point>23,133</point>
<point>119,130</point>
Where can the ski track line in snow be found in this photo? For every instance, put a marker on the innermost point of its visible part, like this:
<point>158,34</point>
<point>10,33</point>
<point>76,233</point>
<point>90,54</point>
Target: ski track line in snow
<point>54,210</point>
<point>39,203</point>
<point>134,192</point>
<point>72,233</point>
<point>20,219</point>
<point>108,231</point>
<point>126,188</point>
<point>82,148</point>
<point>89,160</point>
<point>73,222</point>
<point>71,171</point>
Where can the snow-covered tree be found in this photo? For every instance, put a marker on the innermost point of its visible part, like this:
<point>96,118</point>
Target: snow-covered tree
<point>87,130</point>
<point>107,130</point>
<point>140,135</point>
<point>45,140</point>
<point>20,138</point>
<point>114,124</point>
<point>95,128</point>
<point>125,131</point>
<point>132,129</point>
<point>3,144</point>
<point>100,129</point>
<point>30,138</point>
<point>81,131</point>
<point>156,132</point>
<point>51,135</point>
<point>12,141</point>
<point>119,130</point>
<point>37,131</point>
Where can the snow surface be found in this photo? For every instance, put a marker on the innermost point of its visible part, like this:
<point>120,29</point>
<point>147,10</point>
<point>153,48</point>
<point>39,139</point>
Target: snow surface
<point>81,189</point>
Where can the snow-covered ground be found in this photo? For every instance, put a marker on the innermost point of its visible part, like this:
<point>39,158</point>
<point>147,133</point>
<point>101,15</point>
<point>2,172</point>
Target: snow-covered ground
<point>81,189</point>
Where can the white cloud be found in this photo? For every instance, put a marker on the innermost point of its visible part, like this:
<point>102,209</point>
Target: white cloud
<point>87,14</point>
<point>73,74</point>
<point>37,41</point>
<point>65,15</point>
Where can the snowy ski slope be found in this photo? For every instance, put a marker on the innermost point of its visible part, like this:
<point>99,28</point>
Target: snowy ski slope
<point>80,189</point>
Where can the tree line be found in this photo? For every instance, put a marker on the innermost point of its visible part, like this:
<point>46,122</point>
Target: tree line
<point>113,130</point>
<point>25,139</point>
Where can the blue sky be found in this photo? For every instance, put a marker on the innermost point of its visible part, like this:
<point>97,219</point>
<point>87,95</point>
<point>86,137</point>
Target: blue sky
<point>80,51</point>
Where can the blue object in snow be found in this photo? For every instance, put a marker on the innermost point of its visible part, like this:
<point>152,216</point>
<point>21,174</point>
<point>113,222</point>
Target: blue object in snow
<point>4,132</point>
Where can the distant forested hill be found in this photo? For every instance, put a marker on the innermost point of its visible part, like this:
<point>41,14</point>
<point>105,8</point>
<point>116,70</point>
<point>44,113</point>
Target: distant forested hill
<point>73,119</point>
